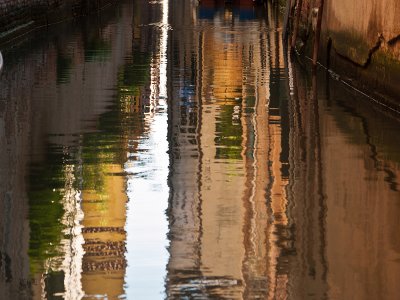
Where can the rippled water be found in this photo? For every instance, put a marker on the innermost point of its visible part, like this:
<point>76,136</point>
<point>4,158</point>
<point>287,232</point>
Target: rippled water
<point>169,149</point>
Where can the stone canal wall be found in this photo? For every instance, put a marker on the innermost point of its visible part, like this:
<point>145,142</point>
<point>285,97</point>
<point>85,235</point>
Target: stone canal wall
<point>360,40</point>
<point>20,16</point>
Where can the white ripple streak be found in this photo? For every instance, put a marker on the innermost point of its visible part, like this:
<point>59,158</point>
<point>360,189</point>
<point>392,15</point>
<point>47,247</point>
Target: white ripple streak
<point>147,224</point>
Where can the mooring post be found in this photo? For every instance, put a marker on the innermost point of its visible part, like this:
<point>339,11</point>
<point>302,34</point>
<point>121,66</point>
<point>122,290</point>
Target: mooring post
<point>317,33</point>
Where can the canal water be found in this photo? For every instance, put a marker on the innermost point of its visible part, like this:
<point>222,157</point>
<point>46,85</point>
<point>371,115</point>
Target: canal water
<point>170,150</point>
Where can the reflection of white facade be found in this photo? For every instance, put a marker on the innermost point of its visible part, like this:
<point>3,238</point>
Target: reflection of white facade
<point>70,262</point>
<point>158,65</point>
<point>72,247</point>
<point>147,188</point>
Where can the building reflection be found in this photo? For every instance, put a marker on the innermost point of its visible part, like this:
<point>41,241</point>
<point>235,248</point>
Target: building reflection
<point>279,188</point>
<point>256,162</point>
<point>104,234</point>
<point>229,169</point>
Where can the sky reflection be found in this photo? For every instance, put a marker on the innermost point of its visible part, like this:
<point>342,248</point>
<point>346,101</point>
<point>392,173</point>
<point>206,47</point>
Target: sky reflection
<point>148,194</point>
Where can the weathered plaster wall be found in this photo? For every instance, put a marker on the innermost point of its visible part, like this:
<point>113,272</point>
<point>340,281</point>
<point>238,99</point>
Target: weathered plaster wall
<point>360,39</point>
<point>19,16</point>
<point>364,21</point>
<point>366,34</point>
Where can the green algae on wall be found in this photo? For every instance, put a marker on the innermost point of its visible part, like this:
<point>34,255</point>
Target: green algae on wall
<point>375,69</point>
<point>360,42</point>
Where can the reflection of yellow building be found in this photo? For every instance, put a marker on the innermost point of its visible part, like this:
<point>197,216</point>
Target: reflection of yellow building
<point>105,212</point>
<point>222,66</point>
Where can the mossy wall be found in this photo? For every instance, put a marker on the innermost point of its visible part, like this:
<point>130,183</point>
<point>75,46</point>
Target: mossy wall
<point>360,41</point>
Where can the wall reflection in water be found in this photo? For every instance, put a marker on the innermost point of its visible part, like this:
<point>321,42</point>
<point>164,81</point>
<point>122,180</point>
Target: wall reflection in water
<point>230,232</point>
<point>272,169</point>
<point>169,149</point>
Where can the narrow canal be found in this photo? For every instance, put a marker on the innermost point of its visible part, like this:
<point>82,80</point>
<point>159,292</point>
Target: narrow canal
<point>169,149</point>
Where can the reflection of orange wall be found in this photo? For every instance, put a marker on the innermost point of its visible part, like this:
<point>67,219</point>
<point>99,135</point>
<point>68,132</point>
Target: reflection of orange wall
<point>234,208</point>
<point>104,221</point>
<point>222,182</point>
<point>278,282</point>
<point>223,63</point>
<point>108,207</point>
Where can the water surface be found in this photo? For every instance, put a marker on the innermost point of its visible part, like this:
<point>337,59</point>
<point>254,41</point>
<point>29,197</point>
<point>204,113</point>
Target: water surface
<point>170,149</point>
